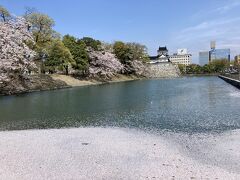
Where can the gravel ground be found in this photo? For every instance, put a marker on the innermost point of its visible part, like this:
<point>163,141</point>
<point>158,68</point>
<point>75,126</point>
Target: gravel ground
<point>109,153</point>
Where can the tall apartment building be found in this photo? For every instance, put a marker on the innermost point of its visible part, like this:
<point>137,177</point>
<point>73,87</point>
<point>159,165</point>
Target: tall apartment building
<point>219,54</point>
<point>214,54</point>
<point>203,57</point>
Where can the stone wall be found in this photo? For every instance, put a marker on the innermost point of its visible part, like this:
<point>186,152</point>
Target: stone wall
<point>163,70</point>
<point>24,83</point>
<point>231,81</point>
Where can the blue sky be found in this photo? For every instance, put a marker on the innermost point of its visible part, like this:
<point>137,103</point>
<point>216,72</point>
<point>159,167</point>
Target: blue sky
<point>190,24</point>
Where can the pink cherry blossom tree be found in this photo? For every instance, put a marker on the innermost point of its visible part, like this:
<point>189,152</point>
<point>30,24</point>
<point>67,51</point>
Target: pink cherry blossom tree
<point>15,55</point>
<point>104,65</point>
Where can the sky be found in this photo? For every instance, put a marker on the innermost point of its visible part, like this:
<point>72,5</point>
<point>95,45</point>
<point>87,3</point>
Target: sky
<point>190,24</point>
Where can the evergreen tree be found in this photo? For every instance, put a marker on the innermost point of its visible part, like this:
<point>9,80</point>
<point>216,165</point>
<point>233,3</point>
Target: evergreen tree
<point>78,51</point>
<point>90,42</point>
<point>123,52</point>
<point>59,56</point>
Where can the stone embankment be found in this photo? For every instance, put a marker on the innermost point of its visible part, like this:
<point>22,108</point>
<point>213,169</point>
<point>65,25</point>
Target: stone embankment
<point>28,83</point>
<point>231,81</point>
<point>163,70</point>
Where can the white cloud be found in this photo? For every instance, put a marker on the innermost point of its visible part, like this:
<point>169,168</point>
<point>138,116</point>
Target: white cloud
<point>220,9</point>
<point>227,7</point>
<point>210,24</point>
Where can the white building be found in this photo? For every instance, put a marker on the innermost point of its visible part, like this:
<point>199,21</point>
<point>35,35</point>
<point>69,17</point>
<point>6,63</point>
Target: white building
<point>181,57</point>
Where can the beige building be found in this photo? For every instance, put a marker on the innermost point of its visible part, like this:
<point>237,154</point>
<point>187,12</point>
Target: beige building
<point>182,57</point>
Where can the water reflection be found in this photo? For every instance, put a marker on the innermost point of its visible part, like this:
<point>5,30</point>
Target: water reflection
<point>197,104</point>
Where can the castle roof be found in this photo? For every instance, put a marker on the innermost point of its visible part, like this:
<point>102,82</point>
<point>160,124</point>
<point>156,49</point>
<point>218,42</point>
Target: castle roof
<point>162,48</point>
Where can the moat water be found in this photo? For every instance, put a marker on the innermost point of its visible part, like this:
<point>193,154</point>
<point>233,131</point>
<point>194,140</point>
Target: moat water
<point>192,105</point>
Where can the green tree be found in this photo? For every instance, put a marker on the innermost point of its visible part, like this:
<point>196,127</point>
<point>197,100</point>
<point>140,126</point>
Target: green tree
<point>90,42</point>
<point>206,69</point>
<point>59,56</point>
<point>236,63</point>
<point>218,66</point>
<point>193,69</point>
<point>139,51</point>
<point>78,50</point>
<point>4,14</point>
<point>127,52</point>
<point>123,52</point>
<point>41,26</point>
<point>182,68</point>
<point>70,42</point>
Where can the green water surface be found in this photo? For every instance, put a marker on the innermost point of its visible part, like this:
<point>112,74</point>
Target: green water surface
<point>195,104</point>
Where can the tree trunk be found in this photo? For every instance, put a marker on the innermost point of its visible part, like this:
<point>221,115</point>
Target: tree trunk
<point>66,69</point>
